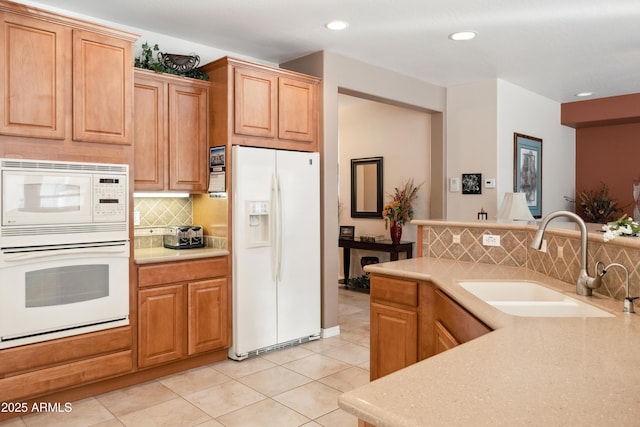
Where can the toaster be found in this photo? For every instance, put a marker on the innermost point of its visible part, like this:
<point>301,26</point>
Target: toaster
<point>183,237</point>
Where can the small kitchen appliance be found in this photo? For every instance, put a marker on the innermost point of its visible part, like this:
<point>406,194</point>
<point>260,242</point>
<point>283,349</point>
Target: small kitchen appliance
<point>183,237</point>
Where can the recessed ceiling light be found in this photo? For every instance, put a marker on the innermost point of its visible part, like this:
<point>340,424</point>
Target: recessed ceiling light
<point>337,25</point>
<point>583,94</point>
<point>463,35</point>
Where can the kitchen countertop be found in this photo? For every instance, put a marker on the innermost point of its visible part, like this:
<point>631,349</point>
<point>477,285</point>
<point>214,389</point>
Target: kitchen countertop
<point>161,254</point>
<point>528,371</point>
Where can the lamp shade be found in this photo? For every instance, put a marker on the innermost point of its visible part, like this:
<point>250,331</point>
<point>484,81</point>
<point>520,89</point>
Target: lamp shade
<point>514,207</point>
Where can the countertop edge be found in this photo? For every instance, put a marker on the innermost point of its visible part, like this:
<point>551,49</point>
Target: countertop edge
<point>156,255</point>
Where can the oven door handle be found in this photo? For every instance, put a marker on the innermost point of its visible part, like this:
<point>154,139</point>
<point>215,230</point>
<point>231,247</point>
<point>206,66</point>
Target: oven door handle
<point>26,256</point>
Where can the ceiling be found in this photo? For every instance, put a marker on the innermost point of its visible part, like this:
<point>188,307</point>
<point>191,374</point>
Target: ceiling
<point>555,48</point>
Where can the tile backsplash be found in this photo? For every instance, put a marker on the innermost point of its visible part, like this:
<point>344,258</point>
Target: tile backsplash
<point>158,213</point>
<point>561,260</point>
<point>162,211</point>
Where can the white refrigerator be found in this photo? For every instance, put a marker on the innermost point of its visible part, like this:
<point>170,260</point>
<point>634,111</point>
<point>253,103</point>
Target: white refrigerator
<point>276,249</point>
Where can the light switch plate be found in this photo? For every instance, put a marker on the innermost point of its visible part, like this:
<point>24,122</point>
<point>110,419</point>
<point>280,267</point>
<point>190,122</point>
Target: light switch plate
<point>454,184</point>
<point>490,183</point>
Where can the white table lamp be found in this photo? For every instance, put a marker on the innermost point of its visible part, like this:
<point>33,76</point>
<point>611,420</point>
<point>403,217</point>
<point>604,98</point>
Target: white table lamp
<point>514,208</point>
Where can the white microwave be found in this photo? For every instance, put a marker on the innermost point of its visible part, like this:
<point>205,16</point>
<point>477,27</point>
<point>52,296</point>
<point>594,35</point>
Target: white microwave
<point>62,202</point>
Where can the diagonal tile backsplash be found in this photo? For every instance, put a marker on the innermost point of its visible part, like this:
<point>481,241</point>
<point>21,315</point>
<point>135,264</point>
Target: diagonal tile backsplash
<point>561,261</point>
<point>160,212</point>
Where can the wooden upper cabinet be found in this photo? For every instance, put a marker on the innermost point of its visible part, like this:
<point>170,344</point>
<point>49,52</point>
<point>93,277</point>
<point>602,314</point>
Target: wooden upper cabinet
<point>171,139</point>
<point>63,78</point>
<point>149,136</point>
<point>297,110</point>
<point>256,103</point>
<point>33,77</point>
<point>102,88</point>
<point>188,141</point>
<point>263,106</point>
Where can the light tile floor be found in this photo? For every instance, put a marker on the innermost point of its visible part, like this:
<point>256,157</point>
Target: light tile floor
<point>298,386</point>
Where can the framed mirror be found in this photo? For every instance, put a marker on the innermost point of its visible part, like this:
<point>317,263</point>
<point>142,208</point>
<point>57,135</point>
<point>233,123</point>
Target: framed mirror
<point>366,188</point>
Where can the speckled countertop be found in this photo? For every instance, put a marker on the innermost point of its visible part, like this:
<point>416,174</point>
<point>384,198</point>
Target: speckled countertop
<point>160,254</point>
<point>528,371</point>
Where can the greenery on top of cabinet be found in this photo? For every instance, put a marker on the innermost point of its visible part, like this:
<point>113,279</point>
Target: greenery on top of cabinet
<point>148,60</point>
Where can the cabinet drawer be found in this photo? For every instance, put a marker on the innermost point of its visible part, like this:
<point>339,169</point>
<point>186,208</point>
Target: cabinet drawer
<point>46,381</point>
<point>387,290</point>
<point>181,271</point>
<point>39,355</point>
<point>456,320</point>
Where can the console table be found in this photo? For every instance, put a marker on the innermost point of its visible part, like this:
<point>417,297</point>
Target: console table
<point>381,246</point>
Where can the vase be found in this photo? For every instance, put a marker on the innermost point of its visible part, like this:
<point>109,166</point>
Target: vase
<point>396,232</point>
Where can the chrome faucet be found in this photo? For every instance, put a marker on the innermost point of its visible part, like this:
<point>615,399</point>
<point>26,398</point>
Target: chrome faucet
<point>628,299</point>
<point>585,283</point>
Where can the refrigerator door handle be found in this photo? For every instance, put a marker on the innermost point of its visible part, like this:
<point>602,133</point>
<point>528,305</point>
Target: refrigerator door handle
<point>274,228</point>
<point>279,225</point>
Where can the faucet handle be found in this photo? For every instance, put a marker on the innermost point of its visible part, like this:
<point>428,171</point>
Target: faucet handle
<point>628,305</point>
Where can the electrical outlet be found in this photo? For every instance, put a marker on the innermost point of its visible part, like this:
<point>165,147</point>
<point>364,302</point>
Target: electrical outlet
<point>456,238</point>
<point>136,217</point>
<point>560,252</point>
<point>490,240</point>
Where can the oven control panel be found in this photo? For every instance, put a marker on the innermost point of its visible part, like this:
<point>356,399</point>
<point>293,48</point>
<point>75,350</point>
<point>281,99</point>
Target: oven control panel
<point>110,197</point>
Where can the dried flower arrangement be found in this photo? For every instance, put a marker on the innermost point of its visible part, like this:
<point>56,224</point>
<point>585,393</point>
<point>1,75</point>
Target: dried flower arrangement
<point>597,206</point>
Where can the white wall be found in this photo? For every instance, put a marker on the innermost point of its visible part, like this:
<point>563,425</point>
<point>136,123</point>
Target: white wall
<point>471,146</point>
<point>525,112</point>
<point>402,137</point>
<point>481,120</point>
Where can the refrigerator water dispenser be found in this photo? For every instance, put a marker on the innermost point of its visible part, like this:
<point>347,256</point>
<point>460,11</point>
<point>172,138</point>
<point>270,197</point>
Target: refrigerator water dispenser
<point>258,224</point>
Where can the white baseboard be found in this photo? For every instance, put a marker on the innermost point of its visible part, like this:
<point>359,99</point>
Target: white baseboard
<point>330,332</point>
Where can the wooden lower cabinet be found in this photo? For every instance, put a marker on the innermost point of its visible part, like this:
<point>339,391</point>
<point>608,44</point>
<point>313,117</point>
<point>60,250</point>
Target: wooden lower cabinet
<point>185,318</point>
<point>394,324</point>
<point>160,325</point>
<point>413,320</point>
<point>394,339</point>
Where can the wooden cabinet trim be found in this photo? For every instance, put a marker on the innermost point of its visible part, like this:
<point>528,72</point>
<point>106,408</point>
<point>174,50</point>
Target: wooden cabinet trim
<point>48,16</point>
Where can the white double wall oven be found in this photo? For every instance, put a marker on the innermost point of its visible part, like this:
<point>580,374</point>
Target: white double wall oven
<point>64,249</point>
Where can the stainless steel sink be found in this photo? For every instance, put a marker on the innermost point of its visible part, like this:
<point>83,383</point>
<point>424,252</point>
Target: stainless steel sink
<point>530,299</point>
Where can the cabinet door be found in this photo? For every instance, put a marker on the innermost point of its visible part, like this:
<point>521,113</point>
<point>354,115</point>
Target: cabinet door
<point>297,110</point>
<point>160,325</point>
<point>256,103</point>
<point>149,134</point>
<point>207,315</point>
<point>461,324</point>
<point>394,339</point>
<point>444,339</point>
<point>102,88</point>
<point>34,77</point>
<point>188,143</point>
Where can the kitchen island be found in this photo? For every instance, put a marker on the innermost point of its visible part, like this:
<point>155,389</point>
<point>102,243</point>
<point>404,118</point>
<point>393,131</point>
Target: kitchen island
<point>527,371</point>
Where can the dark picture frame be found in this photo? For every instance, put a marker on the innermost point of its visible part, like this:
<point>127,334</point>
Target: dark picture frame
<point>347,232</point>
<point>471,183</point>
<point>366,186</point>
<point>527,170</point>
